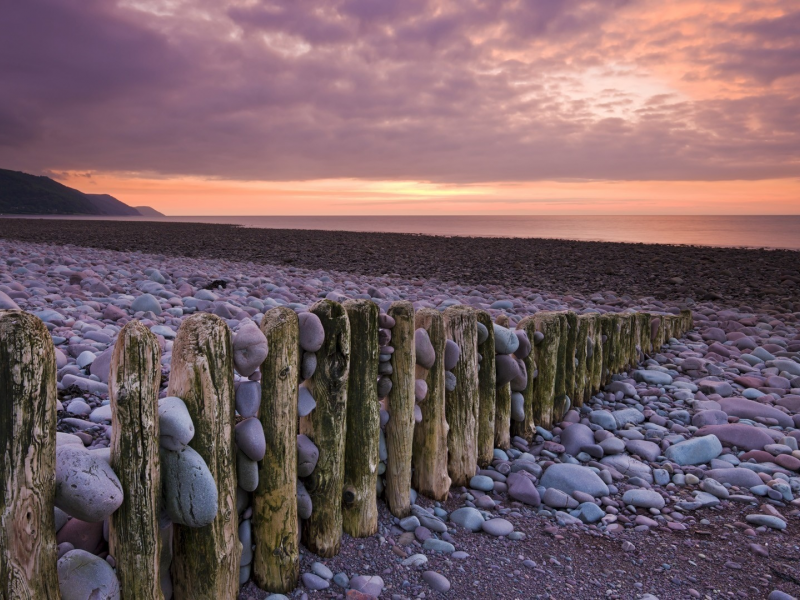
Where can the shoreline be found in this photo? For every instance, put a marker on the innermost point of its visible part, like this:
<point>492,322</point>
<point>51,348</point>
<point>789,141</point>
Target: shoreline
<point>675,273</point>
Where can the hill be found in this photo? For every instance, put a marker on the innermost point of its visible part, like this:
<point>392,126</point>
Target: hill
<point>26,194</point>
<point>147,211</point>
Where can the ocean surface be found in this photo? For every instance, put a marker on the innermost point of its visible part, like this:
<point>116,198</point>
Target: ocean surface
<point>731,231</point>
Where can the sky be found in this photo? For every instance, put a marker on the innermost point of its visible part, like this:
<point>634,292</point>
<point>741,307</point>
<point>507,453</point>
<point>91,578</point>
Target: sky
<point>292,107</point>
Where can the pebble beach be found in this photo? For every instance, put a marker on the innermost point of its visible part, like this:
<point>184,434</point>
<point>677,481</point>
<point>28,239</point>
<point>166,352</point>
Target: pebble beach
<point>680,479</point>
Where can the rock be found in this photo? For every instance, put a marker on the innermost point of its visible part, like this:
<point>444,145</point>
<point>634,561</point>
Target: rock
<point>750,409</point>
<point>652,377</point>
<point>250,438</point>
<point>505,341</point>
<point>468,518</point>
<point>7,303</point>
<point>248,398</point>
<point>423,348</point>
<point>770,521</point>
<point>436,581</point>
<point>246,472</point>
<point>743,478</point>
<point>497,527</point>
<point>384,386</point>
<point>517,407</point>
<point>570,478</point>
<point>612,445</point>
<point>557,499</point>
<point>522,489</point>
<point>643,498</point>
<point>82,535</point>
<point>451,355</point>
<point>524,348</point>
<point>575,437</point>
<point>176,428</point>
<point>709,386</point>
<point>308,366</point>
<point>83,576</point>
<point>312,334</point>
<point>506,368</point>
<point>86,486</point>
<point>146,303</point>
<point>483,333</point>
<point>438,546</point>
<point>482,483</point>
<point>715,488</point>
<point>372,585</point>
<point>449,381</point>
<point>647,450</point>
<point>85,359</point>
<point>101,365</point>
<point>190,493</point>
<point>627,415</point>
<point>314,582</point>
<point>621,386</point>
<point>420,390</point>
<point>589,512</point>
<point>307,456</point>
<point>779,595</point>
<point>604,419</point>
<point>695,451</point>
<point>782,364</point>
<point>304,506</point>
<point>628,466</point>
<point>709,417</point>
<point>744,437</point>
<point>249,349</point>
<point>305,402</point>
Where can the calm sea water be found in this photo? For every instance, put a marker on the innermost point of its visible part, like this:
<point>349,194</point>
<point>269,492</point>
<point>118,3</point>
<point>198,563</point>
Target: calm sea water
<point>737,231</point>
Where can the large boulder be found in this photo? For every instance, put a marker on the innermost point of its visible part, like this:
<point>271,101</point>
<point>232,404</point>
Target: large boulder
<point>570,478</point>
<point>695,451</point>
<point>575,437</point>
<point>86,486</point>
<point>522,489</point>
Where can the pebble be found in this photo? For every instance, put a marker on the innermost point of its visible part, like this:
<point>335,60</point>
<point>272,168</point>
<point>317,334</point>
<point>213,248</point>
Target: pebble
<point>189,490</point>
<point>84,576</point>
<point>437,581</point>
<point>85,485</point>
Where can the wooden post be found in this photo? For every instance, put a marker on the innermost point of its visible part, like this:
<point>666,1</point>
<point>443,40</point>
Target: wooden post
<point>628,343</point>
<point>133,532</point>
<point>549,324</point>
<point>362,454</point>
<point>607,328</point>
<point>400,402</point>
<point>276,564</point>
<point>326,427</point>
<point>502,417</point>
<point>596,361</point>
<point>527,428</point>
<point>560,393</point>
<point>569,331</point>
<point>27,458</point>
<point>582,366</point>
<point>429,476</point>
<point>206,559</point>
<point>658,337</point>
<point>461,405</point>
<point>487,392</point>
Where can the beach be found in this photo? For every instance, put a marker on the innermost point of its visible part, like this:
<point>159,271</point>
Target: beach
<point>670,523</point>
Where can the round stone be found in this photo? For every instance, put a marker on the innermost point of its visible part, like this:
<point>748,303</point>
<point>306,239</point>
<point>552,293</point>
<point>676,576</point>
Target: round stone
<point>436,581</point>
<point>312,334</point>
<point>250,438</point>
<point>452,353</point>
<point>82,575</point>
<point>190,493</point>
<point>423,349</point>
<point>307,456</point>
<point>505,341</point>
<point>482,483</point>
<point>86,486</point>
<point>249,349</point>
<point>175,425</point>
<point>497,527</point>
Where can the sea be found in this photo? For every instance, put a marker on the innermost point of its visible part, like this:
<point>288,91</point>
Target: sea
<point>772,232</point>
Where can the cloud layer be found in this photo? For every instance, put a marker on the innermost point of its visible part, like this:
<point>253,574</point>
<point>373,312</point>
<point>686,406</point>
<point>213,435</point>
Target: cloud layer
<point>460,91</point>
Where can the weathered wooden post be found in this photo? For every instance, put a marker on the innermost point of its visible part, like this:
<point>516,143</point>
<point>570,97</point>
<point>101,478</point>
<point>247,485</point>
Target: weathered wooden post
<point>27,458</point>
<point>133,532</point>
<point>582,365</point>
<point>487,392</point>
<point>607,330</point>
<point>595,340</point>
<point>206,559</point>
<point>549,325</point>
<point>560,392</point>
<point>400,403</point>
<point>461,405</point>
<point>688,320</point>
<point>430,476</point>
<point>502,417</point>
<point>362,454</point>
<point>276,565</point>
<point>569,331</point>
<point>527,428</point>
<point>657,331</point>
<point>325,426</point>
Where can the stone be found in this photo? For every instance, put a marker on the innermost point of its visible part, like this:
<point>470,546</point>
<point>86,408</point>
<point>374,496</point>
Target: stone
<point>497,527</point>
<point>189,490</point>
<point>770,521</point>
<point>628,466</point>
<point>83,576</point>
<point>438,546</point>
<point>308,366</point>
<point>314,582</point>
<point>575,437</point>
<point>451,355</point>
<point>710,386</point>
<point>604,419</point>
<point>522,489</point>
<point>647,450</point>
<point>652,377</point>
<point>250,438</point>
<point>449,381</point>
<point>570,478</point>
<point>248,398</point>
<point>86,486</point>
<point>423,349</point>
<point>695,451</point>
<point>627,415</point>
<point>304,505</point>
<point>82,535</point>
<point>482,483</point>
<point>709,417</point>
<point>612,445</point>
<point>524,348</point>
<point>743,478</point>
<point>744,437</point>
<point>307,456</point>
<point>468,518</point>
<point>436,581</point>
<point>146,303</point>
<point>505,341</point>
<point>371,585</point>
<point>305,402</point>
<point>246,472</point>
<point>249,349</point>
<point>176,428</point>
<point>589,512</point>
<point>750,409</point>
<point>643,498</point>
<point>483,333</point>
<point>506,369</point>
<point>517,407</point>
<point>7,303</point>
<point>420,390</point>
<point>312,334</point>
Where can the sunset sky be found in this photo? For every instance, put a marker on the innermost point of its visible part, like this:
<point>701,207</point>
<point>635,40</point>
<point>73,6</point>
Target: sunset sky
<point>293,107</point>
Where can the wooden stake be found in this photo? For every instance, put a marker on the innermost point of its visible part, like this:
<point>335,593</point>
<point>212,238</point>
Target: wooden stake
<point>527,428</point>
<point>326,427</point>
<point>544,393</point>
<point>400,402</point>
<point>487,391</point>
<point>133,532</point>
<point>461,405</point>
<point>582,366</point>
<point>27,458</point>
<point>206,559</point>
<point>276,565</point>
<point>429,476</point>
<point>362,455</point>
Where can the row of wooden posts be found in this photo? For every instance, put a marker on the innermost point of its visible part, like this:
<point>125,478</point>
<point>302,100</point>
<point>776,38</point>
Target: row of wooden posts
<point>458,432</point>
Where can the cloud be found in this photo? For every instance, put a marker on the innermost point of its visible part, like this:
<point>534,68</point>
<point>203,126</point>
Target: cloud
<point>426,90</point>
